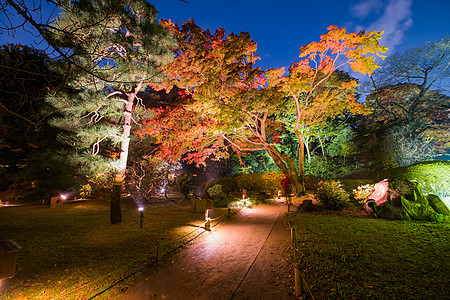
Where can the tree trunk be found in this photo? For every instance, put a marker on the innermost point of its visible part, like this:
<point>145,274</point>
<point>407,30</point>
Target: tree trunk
<point>115,211</point>
<point>308,152</point>
<point>321,144</point>
<point>287,167</point>
<point>301,160</point>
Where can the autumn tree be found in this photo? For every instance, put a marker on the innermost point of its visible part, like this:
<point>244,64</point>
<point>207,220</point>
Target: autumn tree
<point>218,74</point>
<point>117,47</point>
<point>225,105</point>
<point>314,86</point>
<point>214,73</point>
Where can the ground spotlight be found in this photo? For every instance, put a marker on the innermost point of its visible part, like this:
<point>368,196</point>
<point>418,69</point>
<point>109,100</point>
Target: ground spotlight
<point>141,215</point>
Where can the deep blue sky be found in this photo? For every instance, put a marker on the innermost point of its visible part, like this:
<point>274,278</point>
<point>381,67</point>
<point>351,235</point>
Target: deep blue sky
<point>281,27</point>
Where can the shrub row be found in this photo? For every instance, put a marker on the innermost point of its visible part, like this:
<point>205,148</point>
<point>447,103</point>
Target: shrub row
<point>259,186</point>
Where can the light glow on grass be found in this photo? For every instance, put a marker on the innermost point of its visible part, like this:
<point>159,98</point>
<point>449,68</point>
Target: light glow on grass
<point>244,203</point>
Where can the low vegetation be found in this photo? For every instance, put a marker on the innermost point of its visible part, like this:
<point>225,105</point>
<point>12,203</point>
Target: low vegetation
<point>348,256</point>
<point>73,252</point>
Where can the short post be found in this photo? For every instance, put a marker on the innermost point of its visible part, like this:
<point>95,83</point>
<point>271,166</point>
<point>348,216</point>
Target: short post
<point>289,206</point>
<point>293,237</point>
<point>229,213</point>
<point>207,218</point>
<point>141,216</point>
<point>298,282</point>
<point>208,225</point>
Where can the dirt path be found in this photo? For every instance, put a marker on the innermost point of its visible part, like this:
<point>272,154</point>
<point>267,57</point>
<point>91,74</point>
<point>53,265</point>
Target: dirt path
<point>246,257</point>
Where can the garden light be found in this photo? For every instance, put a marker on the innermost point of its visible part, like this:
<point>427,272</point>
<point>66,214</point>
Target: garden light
<point>207,220</point>
<point>141,215</point>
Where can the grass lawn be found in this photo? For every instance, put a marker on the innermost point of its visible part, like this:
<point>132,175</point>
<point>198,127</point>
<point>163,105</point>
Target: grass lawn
<point>73,252</point>
<point>348,256</point>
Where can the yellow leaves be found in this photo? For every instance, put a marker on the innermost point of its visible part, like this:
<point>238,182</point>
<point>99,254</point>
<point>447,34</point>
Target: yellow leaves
<point>364,65</point>
<point>274,76</point>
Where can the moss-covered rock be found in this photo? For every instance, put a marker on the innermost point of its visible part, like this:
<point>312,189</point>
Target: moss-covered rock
<point>432,176</point>
<point>405,200</point>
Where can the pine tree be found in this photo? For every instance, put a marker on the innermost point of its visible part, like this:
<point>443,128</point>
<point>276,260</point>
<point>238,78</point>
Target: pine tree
<point>114,49</point>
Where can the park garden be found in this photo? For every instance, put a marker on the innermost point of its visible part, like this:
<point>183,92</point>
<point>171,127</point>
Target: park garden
<point>127,113</point>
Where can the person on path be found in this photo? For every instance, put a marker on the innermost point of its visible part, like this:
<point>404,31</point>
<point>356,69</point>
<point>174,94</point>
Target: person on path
<point>286,189</point>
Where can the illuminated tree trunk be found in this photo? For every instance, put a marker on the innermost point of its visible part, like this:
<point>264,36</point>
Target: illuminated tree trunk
<point>115,211</point>
<point>301,161</point>
<point>288,169</point>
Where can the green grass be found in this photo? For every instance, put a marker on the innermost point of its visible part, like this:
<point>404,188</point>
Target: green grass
<point>345,256</point>
<point>73,252</point>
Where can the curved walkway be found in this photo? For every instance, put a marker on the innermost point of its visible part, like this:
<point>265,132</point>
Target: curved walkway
<point>246,257</point>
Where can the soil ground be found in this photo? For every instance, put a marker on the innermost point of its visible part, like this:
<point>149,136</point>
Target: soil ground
<point>245,257</point>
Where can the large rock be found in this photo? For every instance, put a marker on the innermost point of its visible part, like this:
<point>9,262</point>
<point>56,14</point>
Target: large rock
<point>402,200</point>
<point>381,195</point>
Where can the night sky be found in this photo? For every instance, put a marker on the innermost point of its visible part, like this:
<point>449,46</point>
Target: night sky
<point>281,27</point>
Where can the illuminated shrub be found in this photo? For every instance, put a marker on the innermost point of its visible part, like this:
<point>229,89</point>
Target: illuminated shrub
<point>432,176</point>
<point>414,204</point>
<point>362,192</point>
<point>228,185</point>
<point>216,193</point>
<point>259,186</point>
<point>332,195</point>
<point>259,183</point>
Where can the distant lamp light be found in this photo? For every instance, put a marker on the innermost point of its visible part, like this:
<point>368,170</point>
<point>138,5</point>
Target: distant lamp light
<point>64,197</point>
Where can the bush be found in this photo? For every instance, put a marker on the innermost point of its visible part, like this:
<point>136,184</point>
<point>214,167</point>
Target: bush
<point>216,193</point>
<point>432,176</point>
<point>362,192</point>
<point>311,182</point>
<point>262,184</point>
<point>185,183</point>
<point>259,186</point>
<point>228,185</point>
<point>332,195</point>
<point>414,203</point>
